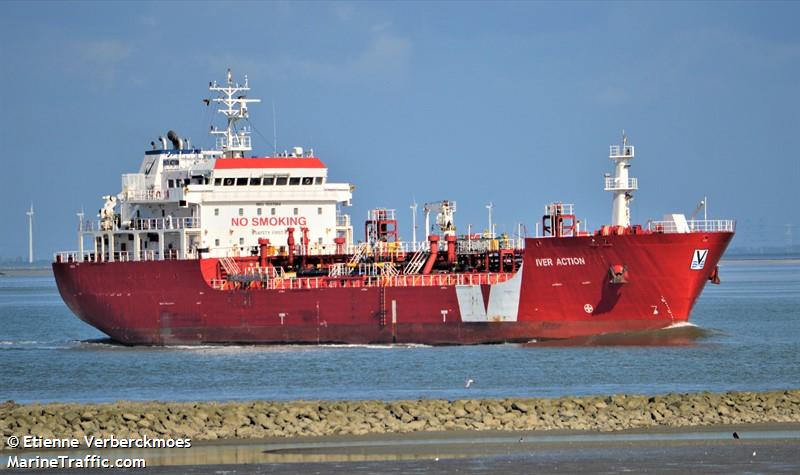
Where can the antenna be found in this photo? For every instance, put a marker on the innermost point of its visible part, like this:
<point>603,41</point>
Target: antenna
<point>274,132</point>
<point>80,234</point>
<point>491,227</point>
<point>414,222</point>
<point>30,234</point>
<point>233,143</point>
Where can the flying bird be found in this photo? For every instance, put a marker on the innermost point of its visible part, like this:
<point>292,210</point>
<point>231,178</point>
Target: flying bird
<point>735,435</point>
<point>469,383</point>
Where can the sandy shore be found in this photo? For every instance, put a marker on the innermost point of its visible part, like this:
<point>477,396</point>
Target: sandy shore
<point>761,448</point>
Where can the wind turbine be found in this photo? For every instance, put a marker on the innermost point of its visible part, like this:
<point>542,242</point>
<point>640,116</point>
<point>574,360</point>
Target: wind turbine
<point>30,235</point>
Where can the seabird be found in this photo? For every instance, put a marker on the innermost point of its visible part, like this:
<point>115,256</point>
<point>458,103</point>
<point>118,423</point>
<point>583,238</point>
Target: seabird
<point>735,435</point>
<point>469,383</point>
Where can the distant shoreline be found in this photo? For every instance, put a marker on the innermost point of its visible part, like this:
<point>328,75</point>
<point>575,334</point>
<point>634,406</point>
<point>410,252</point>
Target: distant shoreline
<point>748,261</point>
<point>25,271</point>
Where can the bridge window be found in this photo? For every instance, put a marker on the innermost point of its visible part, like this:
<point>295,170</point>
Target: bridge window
<point>281,180</point>
<point>241,211</point>
<point>272,212</point>
<point>217,181</point>
<point>241,181</point>
<point>229,182</point>
<point>258,211</point>
<point>296,211</point>
<point>295,180</point>
<point>318,180</point>
<point>255,181</point>
<point>307,180</point>
<point>268,180</point>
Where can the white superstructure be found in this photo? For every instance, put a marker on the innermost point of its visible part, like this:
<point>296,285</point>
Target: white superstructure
<point>184,201</point>
<point>621,185</point>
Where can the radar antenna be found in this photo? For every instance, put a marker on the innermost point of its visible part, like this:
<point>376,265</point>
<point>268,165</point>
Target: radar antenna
<point>233,104</point>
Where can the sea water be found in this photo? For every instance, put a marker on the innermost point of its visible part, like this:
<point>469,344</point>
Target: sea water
<point>744,335</point>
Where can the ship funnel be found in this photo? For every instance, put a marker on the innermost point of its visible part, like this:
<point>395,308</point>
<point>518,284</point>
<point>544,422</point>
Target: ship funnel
<point>177,142</point>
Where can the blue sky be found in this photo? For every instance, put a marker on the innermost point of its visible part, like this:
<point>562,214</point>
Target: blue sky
<point>514,103</point>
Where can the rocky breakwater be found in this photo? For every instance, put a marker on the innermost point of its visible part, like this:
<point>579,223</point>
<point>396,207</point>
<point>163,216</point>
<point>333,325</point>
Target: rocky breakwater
<point>213,420</point>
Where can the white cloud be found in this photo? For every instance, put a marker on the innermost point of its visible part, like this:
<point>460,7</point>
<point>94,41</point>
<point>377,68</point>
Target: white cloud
<point>384,59</point>
<point>104,51</point>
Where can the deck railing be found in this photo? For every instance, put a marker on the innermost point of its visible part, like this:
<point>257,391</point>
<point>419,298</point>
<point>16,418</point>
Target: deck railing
<point>400,280</point>
<point>147,195</point>
<point>614,183</point>
<point>119,256</point>
<point>143,224</point>
<point>693,226</point>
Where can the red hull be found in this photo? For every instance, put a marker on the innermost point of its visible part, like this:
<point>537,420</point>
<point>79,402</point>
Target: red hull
<point>563,291</point>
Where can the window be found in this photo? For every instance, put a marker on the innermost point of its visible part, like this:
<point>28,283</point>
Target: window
<point>229,182</point>
<point>272,212</point>
<point>216,211</point>
<point>217,181</point>
<point>241,241</point>
<point>255,181</point>
<point>281,180</point>
<point>318,180</point>
<point>170,184</point>
<point>295,180</point>
<point>319,210</point>
<point>296,211</point>
<point>268,180</point>
<point>241,211</point>
<point>258,211</point>
<point>216,242</point>
<point>187,181</point>
<point>307,180</point>
<point>241,181</point>
<point>319,241</point>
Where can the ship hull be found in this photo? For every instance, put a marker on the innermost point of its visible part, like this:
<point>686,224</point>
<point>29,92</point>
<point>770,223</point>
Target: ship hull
<point>564,289</point>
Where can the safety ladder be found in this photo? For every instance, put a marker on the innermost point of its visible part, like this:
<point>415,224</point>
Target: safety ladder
<point>382,309</point>
<point>361,251</point>
<point>338,270</point>
<point>230,266</point>
<point>388,269</point>
<point>416,262</point>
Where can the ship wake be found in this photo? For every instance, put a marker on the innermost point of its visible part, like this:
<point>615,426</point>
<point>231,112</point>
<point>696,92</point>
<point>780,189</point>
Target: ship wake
<point>679,334</point>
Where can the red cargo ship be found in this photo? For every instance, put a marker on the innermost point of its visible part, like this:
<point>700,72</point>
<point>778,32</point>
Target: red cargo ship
<point>214,247</point>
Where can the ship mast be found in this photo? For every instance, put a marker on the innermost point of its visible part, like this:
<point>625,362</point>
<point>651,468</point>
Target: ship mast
<point>233,104</point>
<point>620,184</point>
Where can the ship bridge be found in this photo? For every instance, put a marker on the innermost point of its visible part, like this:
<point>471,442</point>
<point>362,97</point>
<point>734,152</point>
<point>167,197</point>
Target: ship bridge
<point>185,201</point>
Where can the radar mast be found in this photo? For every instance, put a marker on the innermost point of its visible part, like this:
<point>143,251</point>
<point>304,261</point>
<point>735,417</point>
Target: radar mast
<point>232,141</point>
